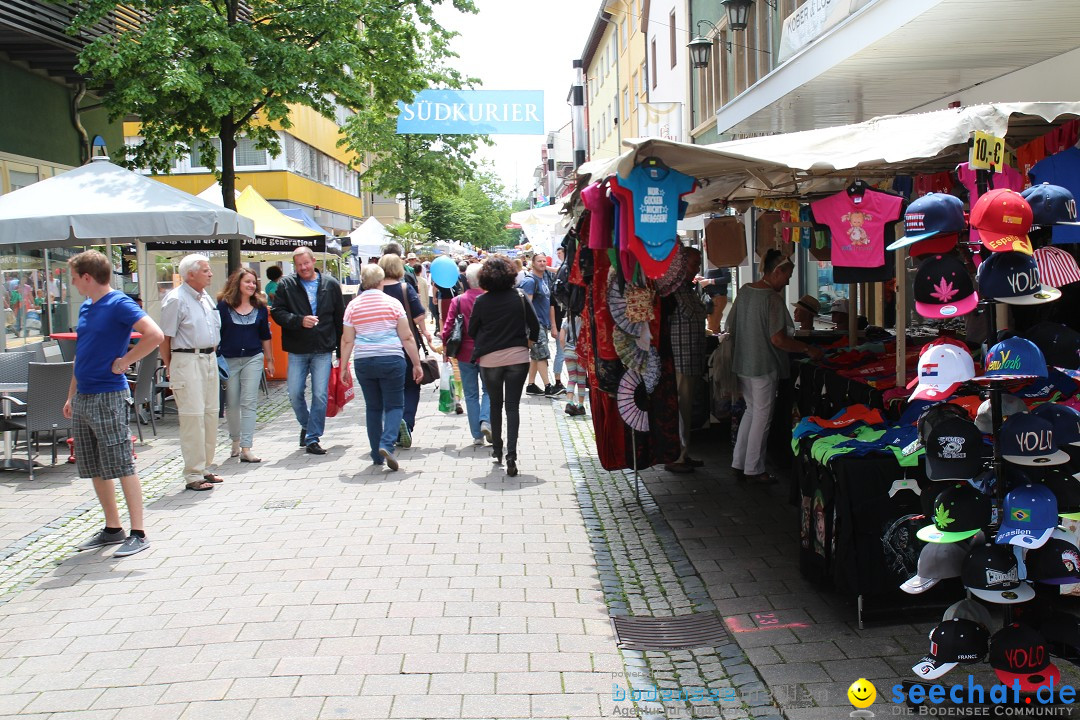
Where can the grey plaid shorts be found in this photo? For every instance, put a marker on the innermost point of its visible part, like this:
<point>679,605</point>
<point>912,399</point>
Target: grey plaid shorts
<point>540,349</point>
<point>102,436</point>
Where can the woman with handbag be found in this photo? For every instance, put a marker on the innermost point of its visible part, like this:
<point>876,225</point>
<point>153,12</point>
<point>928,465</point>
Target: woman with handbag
<point>457,343</point>
<point>503,326</point>
<point>377,334</point>
<point>393,268</point>
<point>245,344</point>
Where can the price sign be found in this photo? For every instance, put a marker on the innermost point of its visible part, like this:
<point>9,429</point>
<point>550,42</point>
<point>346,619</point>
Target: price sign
<point>987,151</point>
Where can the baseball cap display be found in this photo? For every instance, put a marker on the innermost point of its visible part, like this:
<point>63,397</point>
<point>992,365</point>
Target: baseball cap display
<point>1021,654</point>
<point>935,245</point>
<point>1013,359</point>
<point>930,215</point>
<point>1066,489</point>
<point>1027,439</point>
<point>1003,219</point>
<point>1065,421</point>
<point>1029,517</point>
<point>1060,345</point>
<point>1050,205</point>
<point>938,413</point>
<point>1013,277</point>
<point>937,562</point>
<point>960,512</point>
<point>1010,405</point>
<point>952,642</point>
<point>954,451</point>
<point>992,573</point>
<point>943,288</point>
<point>969,609</point>
<point>1055,563</point>
<point>1057,268</point>
<point>942,369</point>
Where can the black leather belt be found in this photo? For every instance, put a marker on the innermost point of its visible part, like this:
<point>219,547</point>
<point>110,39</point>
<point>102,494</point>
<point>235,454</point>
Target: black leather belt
<point>197,351</point>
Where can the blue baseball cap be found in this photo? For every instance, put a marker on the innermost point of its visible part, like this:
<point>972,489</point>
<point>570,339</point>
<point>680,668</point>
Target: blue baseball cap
<point>1051,205</point>
<point>1013,359</point>
<point>1027,439</point>
<point>1030,515</point>
<point>1065,421</point>
<point>932,214</point>
<point>1013,277</point>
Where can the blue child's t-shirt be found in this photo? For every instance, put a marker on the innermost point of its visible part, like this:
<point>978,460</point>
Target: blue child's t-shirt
<point>656,206</point>
<point>104,332</point>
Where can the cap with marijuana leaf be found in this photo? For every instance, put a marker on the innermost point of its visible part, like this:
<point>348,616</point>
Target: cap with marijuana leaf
<point>943,288</point>
<point>959,513</point>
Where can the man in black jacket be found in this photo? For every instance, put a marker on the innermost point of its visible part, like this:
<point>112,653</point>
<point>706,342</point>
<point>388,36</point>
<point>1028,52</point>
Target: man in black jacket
<point>310,310</point>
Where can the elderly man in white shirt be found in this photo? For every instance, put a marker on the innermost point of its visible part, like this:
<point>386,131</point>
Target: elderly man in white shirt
<point>192,327</point>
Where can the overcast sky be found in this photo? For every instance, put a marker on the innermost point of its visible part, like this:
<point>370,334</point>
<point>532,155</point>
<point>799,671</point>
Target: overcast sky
<point>513,45</point>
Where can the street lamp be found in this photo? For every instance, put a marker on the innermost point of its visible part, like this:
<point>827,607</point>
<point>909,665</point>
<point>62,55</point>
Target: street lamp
<point>701,46</point>
<point>737,12</point>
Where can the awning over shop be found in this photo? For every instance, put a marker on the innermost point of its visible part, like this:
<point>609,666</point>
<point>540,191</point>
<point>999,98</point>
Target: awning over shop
<point>898,55</point>
<point>100,201</point>
<point>822,161</point>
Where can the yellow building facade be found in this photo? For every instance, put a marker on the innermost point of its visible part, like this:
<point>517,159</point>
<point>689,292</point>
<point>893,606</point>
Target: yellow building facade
<point>615,76</point>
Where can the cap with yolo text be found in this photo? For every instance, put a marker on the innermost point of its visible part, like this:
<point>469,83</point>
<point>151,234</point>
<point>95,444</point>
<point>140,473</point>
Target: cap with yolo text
<point>943,288</point>
<point>1013,278</point>
<point>992,573</point>
<point>954,451</point>
<point>1003,219</point>
<point>937,562</point>
<point>952,642</point>
<point>1050,205</point>
<point>1029,517</point>
<point>960,512</point>
<point>1027,439</point>
<point>1013,359</point>
<point>930,215</point>
<point>1021,654</point>
<point>942,369</point>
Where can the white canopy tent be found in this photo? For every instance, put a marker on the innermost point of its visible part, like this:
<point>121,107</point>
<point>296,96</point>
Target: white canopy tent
<point>368,239</point>
<point>544,227</point>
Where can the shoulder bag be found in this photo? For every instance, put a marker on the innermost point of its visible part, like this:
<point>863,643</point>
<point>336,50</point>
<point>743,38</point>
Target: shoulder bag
<point>525,317</point>
<point>452,344</point>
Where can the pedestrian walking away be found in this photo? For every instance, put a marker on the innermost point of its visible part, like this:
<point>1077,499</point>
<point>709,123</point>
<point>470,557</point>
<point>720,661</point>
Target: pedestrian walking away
<point>502,326</point>
<point>762,328</point>
<point>378,336</point>
<point>477,401</point>
<point>98,400</point>
<point>309,307</point>
<point>537,290</point>
<point>192,327</point>
<point>245,345</point>
<point>393,285</point>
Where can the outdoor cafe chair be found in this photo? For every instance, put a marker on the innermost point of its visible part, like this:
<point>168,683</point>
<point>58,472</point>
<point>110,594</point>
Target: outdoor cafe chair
<point>143,391</point>
<point>46,395</point>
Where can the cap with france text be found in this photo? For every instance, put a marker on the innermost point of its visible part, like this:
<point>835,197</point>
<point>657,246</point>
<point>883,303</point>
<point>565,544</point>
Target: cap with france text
<point>952,642</point>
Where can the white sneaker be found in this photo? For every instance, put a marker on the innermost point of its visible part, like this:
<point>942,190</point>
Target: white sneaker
<point>478,442</point>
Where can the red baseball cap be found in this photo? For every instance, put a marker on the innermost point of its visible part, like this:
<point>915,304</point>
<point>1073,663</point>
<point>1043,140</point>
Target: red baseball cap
<point>1003,219</point>
<point>934,245</point>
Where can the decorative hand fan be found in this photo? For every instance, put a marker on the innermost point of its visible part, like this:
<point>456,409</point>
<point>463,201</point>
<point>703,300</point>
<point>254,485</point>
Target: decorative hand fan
<point>633,401</point>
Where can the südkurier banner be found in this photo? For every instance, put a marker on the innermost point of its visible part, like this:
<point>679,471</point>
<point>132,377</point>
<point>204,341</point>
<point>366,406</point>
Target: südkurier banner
<point>473,112</point>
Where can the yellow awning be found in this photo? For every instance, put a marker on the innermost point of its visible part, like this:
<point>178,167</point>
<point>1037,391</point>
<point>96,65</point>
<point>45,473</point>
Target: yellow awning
<point>268,219</point>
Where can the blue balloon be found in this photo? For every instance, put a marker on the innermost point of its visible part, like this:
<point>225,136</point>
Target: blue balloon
<point>444,271</point>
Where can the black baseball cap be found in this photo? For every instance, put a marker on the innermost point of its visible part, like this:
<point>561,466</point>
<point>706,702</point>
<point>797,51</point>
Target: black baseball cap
<point>992,573</point>
<point>937,413</point>
<point>1060,344</point>
<point>1021,654</point>
<point>952,642</point>
<point>954,450</point>
<point>1055,563</point>
<point>943,288</point>
<point>1066,489</point>
<point>960,512</point>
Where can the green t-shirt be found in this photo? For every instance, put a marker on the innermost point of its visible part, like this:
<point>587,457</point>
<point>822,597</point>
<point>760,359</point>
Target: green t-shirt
<point>271,288</point>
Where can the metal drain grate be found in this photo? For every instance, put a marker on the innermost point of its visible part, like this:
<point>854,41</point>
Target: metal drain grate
<point>281,504</point>
<point>670,633</point>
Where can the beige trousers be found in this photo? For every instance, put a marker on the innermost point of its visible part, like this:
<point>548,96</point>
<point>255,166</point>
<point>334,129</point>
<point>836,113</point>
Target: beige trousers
<point>194,381</point>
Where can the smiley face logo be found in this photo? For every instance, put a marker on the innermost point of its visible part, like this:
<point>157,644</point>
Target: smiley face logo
<point>862,693</point>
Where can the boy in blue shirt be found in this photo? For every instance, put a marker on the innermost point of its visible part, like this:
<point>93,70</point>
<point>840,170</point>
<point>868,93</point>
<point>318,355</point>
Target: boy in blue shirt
<point>98,399</point>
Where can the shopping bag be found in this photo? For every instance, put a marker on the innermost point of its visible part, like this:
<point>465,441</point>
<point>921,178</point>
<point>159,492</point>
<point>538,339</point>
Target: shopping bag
<point>344,392</point>
<point>446,388</point>
<point>332,406</point>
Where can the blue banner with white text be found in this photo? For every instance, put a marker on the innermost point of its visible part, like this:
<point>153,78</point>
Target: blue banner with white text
<point>473,112</point>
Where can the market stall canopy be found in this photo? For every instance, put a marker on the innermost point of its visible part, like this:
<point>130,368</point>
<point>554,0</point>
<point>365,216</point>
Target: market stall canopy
<point>101,201</point>
<point>368,239</point>
<point>544,227</point>
<point>300,215</point>
<point>822,161</point>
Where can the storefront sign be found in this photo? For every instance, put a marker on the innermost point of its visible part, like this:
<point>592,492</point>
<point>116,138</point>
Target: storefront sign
<point>987,151</point>
<point>259,244</point>
<point>473,112</point>
<point>812,20</point>
<point>661,120</point>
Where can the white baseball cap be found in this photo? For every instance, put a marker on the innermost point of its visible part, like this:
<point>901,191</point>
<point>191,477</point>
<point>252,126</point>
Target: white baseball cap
<point>942,369</point>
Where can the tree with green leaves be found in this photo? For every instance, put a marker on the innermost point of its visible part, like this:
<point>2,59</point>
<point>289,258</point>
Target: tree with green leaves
<point>196,70</point>
<point>409,234</point>
<point>477,212</point>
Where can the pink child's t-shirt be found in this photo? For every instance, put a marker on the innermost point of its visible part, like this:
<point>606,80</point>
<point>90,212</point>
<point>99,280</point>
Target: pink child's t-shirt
<point>600,216</point>
<point>858,225</point>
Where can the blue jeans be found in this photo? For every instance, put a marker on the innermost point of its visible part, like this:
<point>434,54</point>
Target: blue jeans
<point>382,380</point>
<point>412,396</point>
<point>556,368</point>
<point>242,397</point>
<point>317,365</point>
<point>479,409</point>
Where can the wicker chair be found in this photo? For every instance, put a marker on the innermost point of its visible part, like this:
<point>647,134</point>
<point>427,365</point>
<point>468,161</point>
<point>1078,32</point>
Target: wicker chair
<point>47,393</point>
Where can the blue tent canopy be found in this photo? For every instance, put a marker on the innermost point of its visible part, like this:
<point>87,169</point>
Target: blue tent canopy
<point>301,216</point>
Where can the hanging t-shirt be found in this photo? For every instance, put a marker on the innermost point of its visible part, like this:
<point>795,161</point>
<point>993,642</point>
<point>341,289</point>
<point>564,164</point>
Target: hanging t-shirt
<point>857,224</point>
<point>1029,155</point>
<point>1062,169</point>
<point>601,213</point>
<point>656,212</point>
<point>1008,179</point>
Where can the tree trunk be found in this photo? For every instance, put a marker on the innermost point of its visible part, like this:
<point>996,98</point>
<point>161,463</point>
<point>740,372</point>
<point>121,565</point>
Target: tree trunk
<point>227,135</point>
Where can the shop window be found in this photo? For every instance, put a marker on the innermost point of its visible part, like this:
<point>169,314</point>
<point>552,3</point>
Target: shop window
<point>626,105</point>
<point>198,153</point>
<point>247,154</point>
<point>623,35</point>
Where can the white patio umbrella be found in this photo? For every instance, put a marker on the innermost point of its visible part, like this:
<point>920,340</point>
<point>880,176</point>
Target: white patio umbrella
<point>101,201</point>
